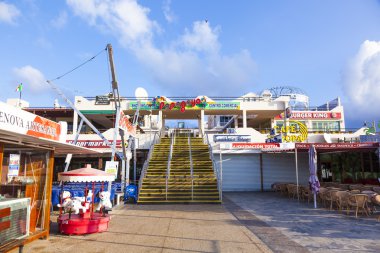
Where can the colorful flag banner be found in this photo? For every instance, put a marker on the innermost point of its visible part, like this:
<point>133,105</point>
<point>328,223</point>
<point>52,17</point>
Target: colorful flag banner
<point>19,87</point>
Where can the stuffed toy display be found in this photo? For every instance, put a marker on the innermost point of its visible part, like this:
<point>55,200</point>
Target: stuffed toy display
<point>104,200</point>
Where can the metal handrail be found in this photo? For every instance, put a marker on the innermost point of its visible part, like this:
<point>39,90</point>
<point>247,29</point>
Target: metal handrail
<point>168,167</point>
<point>146,163</point>
<point>191,166</point>
<point>217,170</point>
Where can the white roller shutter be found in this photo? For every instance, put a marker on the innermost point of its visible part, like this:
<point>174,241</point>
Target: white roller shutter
<point>282,168</point>
<point>241,172</point>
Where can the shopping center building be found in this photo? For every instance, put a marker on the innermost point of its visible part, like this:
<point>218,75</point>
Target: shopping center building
<point>252,137</point>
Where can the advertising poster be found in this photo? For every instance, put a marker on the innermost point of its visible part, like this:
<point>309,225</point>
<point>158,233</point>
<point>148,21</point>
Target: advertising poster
<point>112,167</point>
<point>14,165</point>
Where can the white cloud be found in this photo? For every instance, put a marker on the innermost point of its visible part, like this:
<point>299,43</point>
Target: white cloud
<point>202,37</point>
<point>60,21</point>
<point>8,13</point>
<point>125,19</point>
<point>31,77</point>
<point>191,65</point>
<point>168,13</point>
<point>361,81</point>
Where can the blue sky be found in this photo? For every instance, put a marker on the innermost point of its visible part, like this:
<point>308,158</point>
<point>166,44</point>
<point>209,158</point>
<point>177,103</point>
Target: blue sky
<point>327,48</point>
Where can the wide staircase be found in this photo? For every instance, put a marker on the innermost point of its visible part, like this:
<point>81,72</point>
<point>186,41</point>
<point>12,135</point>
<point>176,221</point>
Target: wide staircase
<point>174,182</point>
<point>154,183</point>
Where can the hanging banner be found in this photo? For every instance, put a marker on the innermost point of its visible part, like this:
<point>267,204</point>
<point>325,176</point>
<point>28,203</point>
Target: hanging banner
<point>14,165</point>
<point>126,125</point>
<point>112,167</point>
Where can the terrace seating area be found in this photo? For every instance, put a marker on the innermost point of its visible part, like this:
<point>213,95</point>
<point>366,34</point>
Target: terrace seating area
<point>348,199</point>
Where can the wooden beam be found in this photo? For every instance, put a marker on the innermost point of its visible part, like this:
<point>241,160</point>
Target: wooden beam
<point>36,235</point>
<point>49,186</point>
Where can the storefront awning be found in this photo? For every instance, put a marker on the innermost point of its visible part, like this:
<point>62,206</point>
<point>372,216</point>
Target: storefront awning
<point>42,143</point>
<point>337,146</point>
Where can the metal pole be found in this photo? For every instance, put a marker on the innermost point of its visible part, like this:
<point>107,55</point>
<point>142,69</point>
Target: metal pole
<point>297,172</point>
<point>128,167</point>
<point>134,160</point>
<point>221,172</point>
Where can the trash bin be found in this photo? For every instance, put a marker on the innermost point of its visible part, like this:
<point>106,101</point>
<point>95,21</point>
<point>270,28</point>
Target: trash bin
<point>130,193</point>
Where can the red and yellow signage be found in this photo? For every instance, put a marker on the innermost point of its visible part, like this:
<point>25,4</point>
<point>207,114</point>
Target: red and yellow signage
<point>126,125</point>
<point>15,120</point>
<point>305,115</point>
<point>295,132</point>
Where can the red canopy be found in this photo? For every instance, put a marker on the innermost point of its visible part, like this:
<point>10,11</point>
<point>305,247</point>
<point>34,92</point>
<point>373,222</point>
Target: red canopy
<point>87,174</point>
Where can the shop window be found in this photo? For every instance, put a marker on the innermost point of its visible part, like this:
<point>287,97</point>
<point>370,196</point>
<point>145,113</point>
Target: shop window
<point>24,177</point>
<point>223,120</point>
<point>326,126</point>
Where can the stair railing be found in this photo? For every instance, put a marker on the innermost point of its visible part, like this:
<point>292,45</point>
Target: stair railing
<point>168,167</point>
<point>191,166</point>
<point>217,170</point>
<point>156,139</point>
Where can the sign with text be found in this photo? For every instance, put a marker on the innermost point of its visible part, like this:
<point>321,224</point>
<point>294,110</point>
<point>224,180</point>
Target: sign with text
<point>218,105</point>
<point>112,167</point>
<point>252,145</point>
<point>15,120</point>
<point>305,115</point>
<point>295,132</point>
<point>337,145</point>
<point>94,143</point>
<point>14,165</point>
<point>102,100</point>
<point>231,138</point>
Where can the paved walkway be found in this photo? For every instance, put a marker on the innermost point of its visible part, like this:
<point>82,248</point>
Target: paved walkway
<point>246,222</point>
<point>157,228</point>
<point>287,225</point>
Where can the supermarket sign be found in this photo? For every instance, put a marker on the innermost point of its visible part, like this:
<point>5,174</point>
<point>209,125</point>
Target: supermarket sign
<point>305,115</point>
<point>93,143</point>
<point>15,120</point>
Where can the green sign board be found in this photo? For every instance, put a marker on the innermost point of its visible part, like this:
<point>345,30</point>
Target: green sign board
<point>218,105</point>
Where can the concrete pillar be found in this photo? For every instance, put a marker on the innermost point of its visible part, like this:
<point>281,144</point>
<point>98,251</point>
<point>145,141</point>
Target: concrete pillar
<point>75,122</point>
<point>163,125</point>
<point>160,120</point>
<point>286,120</point>
<point>202,122</point>
<point>236,122</point>
<point>244,118</point>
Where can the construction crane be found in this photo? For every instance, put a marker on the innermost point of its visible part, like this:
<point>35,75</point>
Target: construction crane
<point>117,102</point>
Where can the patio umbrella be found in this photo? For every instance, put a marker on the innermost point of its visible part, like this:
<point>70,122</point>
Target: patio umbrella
<point>313,179</point>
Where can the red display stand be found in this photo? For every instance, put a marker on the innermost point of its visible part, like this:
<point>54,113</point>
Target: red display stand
<point>86,222</point>
<point>79,224</point>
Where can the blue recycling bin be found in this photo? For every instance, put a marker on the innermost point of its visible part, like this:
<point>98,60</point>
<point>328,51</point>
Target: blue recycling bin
<point>130,193</point>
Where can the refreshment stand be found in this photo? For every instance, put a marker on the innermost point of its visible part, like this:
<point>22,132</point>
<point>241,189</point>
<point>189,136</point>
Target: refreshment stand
<point>28,144</point>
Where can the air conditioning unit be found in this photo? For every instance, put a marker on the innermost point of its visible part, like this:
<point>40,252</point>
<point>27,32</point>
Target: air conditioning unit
<point>14,219</point>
